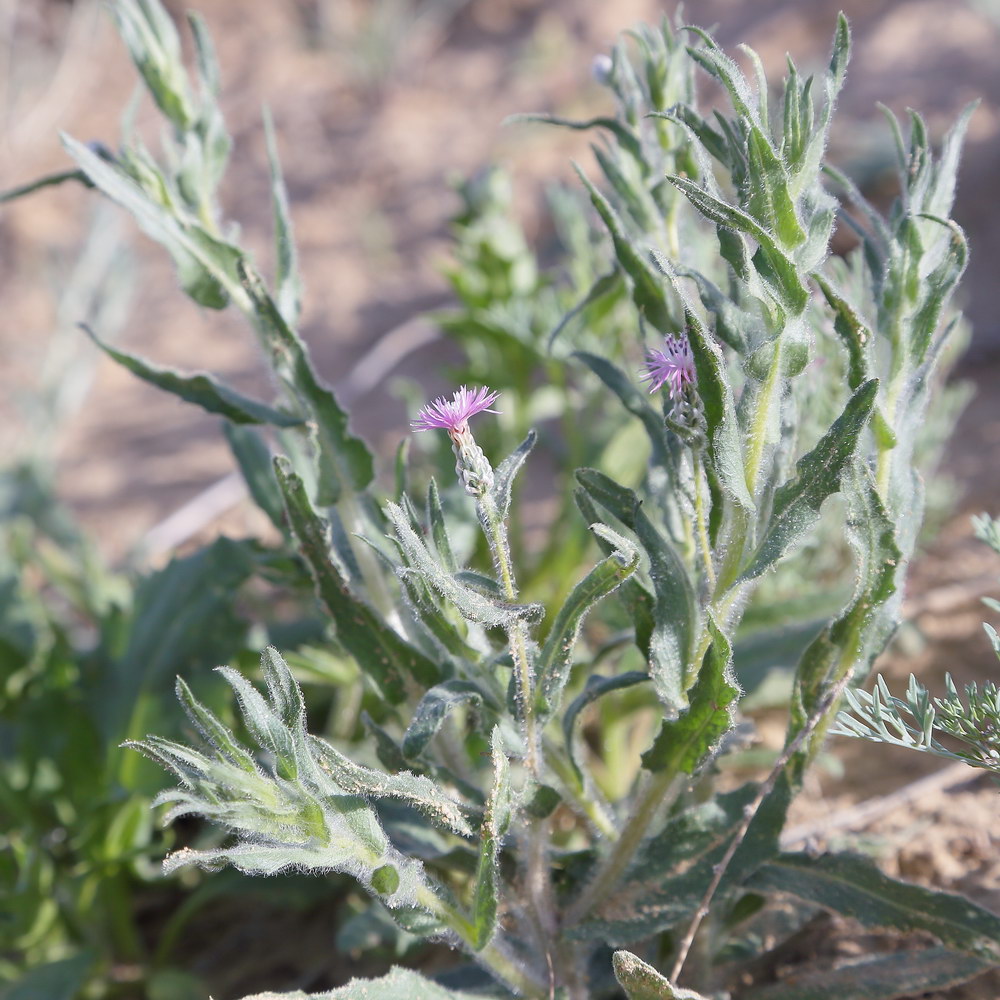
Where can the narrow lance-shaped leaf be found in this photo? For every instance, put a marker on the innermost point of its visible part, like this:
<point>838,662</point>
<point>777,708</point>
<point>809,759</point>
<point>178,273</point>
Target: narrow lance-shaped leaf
<point>496,820</point>
<point>771,262</point>
<point>506,472</point>
<point>627,139</point>
<point>207,266</point>
<point>432,710</point>
<point>879,977</point>
<point>854,886</point>
<point>555,659</point>
<point>415,790</point>
<point>379,651</point>
<point>200,389</point>
<point>399,984</point>
<point>345,464</point>
<point>256,465</point>
<point>675,614</point>
<point>797,503</point>
<point>474,605</point>
<point>642,982</point>
<point>287,280</point>
<point>606,286</point>
<point>647,290</point>
<point>595,688</point>
<point>684,743</point>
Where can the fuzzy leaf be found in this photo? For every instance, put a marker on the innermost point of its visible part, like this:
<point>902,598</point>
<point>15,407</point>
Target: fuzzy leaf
<point>797,502</point>
<point>642,982</point>
<point>684,743</point>
<point>432,710</point>
<point>507,470</point>
<point>675,613</point>
<point>399,984</point>
<point>413,789</point>
<point>380,652</point>
<point>907,973</point>
<point>647,290</point>
<point>294,815</point>
<point>627,139</point>
<point>200,389</point>
<point>853,885</point>
<point>256,465</point>
<point>595,687</point>
<point>771,262</point>
<point>605,287</point>
<point>287,280</point>
<point>345,464</point>
<point>474,605</point>
<point>555,659</point>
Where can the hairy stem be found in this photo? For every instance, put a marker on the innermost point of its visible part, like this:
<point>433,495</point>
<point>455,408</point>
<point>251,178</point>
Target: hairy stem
<point>494,956</point>
<point>701,522</point>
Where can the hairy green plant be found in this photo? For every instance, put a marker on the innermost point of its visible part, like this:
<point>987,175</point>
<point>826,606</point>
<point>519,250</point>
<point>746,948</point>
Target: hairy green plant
<point>475,813</point>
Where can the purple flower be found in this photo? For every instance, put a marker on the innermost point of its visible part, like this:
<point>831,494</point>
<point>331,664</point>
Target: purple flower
<point>452,415</point>
<point>673,367</point>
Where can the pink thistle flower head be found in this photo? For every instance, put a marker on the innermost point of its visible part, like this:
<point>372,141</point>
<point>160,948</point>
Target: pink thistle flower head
<point>452,415</point>
<point>672,367</point>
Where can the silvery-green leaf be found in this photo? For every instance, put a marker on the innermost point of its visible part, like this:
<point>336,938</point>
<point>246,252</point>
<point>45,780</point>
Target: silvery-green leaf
<point>507,470</point>
<point>797,503</point>
<point>769,201</point>
<point>684,743</point>
<point>207,266</point>
<point>937,287</point>
<point>152,40</point>
<point>439,528</point>
<point>556,656</point>
<point>434,707</point>
<point>399,984</point>
<point>473,604</point>
<point>634,595</point>
<point>381,653</point>
<point>345,464</point>
<point>290,813</point>
<point>415,790</point>
<point>770,260</point>
<point>859,633</point>
<point>642,982</point>
<point>907,973</point>
<point>664,885</point>
<point>287,280</point>
<point>200,388</point>
<point>255,463</point>
<point>854,886</point>
<point>595,687</point>
<point>496,820</point>
<point>627,139</point>
<point>675,614</point>
<point>647,290</point>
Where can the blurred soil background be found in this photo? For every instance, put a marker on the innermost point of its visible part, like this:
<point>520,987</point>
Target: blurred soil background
<point>377,104</point>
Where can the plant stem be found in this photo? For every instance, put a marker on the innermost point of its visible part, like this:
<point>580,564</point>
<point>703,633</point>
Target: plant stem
<point>497,536</point>
<point>831,697</point>
<point>758,429</point>
<point>699,513</point>
<point>493,956</point>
